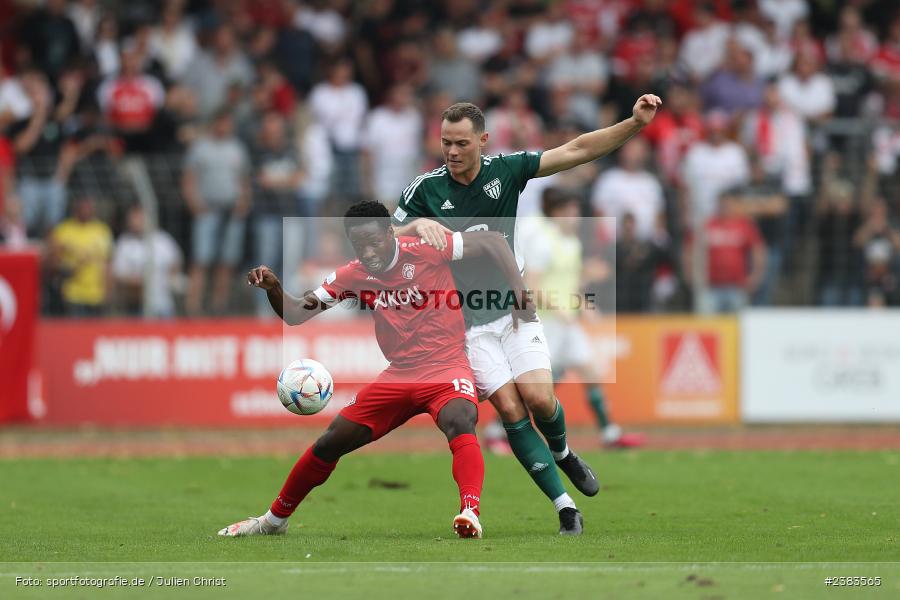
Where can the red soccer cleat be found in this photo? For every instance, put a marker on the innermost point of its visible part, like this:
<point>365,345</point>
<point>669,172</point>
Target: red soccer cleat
<point>627,440</point>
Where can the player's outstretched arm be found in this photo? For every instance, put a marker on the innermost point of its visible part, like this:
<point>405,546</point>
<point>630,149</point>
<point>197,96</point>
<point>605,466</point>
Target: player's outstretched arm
<point>493,245</point>
<point>292,310</point>
<point>591,146</point>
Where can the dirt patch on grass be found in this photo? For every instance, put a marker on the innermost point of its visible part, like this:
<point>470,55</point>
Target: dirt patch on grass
<point>29,442</point>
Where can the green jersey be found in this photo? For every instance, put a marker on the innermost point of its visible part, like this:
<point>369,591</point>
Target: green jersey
<point>489,203</point>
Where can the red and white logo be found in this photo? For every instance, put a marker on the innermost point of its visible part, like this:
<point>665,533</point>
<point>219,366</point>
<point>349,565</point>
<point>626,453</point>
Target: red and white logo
<point>409,270</point>
<point>690,384</point>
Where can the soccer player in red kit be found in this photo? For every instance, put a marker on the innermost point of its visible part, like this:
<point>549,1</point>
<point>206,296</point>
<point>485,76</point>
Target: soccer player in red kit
<point>409,288</point>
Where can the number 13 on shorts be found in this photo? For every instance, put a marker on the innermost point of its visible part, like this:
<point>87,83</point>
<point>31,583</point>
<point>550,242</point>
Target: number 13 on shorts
<point>464,386</point>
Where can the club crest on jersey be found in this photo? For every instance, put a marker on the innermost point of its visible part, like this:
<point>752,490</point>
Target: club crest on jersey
<point>409,270</point>
<point>493,189</point>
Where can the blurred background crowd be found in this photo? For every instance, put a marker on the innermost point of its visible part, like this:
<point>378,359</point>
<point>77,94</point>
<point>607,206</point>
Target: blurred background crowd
<point>150,149</point>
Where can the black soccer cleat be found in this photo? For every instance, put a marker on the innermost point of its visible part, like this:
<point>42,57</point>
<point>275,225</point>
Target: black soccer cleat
<point>580,474</point>
<point>570,522</point>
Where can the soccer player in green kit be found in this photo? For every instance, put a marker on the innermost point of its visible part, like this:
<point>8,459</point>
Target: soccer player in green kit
<point>474,192</point>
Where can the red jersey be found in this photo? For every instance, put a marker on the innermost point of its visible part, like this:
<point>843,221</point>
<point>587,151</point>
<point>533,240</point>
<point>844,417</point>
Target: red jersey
<point>730,240</point>
<point>418,318</point>
<point>131,102</point>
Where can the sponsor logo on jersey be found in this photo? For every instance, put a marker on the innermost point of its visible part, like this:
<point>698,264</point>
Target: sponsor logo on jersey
<point>395,298</point>
<point>447,205</point>
<point>400,214</point>
<point>409,270</point>
<point>493,189</point>
<point>535,340</point>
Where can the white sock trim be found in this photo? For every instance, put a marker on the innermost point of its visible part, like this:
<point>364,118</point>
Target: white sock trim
<point>276,521</point>
<point>558,456</point>
<point>564,501</point>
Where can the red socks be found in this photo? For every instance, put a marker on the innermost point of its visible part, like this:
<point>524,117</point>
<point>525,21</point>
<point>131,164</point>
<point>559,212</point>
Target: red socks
<point>308,472</point>
<point>311,471</point>
<point>468,470</point>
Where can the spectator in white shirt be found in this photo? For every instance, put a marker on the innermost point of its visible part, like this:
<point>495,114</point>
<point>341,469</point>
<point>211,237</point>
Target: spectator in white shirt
<point>712,167</point>
<point>785,13</point>
<point>138,250</point>
<point>631,188</point>
<point>703,48</point>
<point>777,135</point>
<point>393,145</point>
<point>807,90</point>
<point>172,43</point>
<point>340,104</point>
<point>550,35</point>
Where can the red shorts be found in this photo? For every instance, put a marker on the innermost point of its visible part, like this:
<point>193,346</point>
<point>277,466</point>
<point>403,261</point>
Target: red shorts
<point>400,394</point>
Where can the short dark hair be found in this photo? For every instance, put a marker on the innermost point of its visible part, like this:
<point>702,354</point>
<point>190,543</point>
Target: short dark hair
<point>465,110</point>
<point>366,212</point>
<point>553,199</point>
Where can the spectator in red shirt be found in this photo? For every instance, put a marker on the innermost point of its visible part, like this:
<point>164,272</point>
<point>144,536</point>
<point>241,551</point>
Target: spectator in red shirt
<point>731,238</point>
<point>674,130</point>
<point>130,101</point>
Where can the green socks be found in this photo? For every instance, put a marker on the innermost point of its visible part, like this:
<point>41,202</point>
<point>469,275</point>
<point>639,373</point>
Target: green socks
<point>595,395</point>
<point>554,431</point>
<point>534,455</point>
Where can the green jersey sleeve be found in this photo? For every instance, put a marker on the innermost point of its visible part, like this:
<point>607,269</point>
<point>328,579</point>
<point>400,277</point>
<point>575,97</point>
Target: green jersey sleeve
<point>411,206</point>
<point>524,166</point>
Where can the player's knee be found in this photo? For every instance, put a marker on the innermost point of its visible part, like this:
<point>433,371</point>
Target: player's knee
<point>510,408</point>
<point>458,418</point>
<point>539,399</point>
<point>327,449</point>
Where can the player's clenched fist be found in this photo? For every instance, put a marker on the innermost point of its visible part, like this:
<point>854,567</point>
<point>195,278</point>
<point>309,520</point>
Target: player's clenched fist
<point>262,277</point>
<point>645,108</point>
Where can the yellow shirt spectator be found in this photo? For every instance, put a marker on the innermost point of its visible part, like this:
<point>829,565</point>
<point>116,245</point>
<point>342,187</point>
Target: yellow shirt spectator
<point>83,249</point>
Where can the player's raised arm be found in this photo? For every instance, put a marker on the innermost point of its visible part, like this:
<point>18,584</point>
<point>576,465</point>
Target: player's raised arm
<point>292,310</point>
<point>591,146</point>
<point>492,244</point>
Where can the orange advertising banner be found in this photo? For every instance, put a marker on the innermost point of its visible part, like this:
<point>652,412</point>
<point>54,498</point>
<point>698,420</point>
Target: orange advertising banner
<point>223,372</point>
<point>667,370</point>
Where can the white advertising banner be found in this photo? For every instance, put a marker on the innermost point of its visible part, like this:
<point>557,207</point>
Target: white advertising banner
<point>820,366</point>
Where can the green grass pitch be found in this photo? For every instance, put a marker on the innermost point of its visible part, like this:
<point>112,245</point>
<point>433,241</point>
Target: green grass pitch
<point>682,524</point>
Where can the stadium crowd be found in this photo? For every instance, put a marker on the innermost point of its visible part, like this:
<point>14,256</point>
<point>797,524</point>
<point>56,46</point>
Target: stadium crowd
<point>777,146</point>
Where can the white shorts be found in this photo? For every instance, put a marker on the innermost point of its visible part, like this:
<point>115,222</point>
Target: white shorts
<point>498,354</point>
<point>569,344</point>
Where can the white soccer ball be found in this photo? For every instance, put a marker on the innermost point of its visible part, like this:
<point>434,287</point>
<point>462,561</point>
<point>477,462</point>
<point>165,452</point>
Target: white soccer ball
<point>305,387</point>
